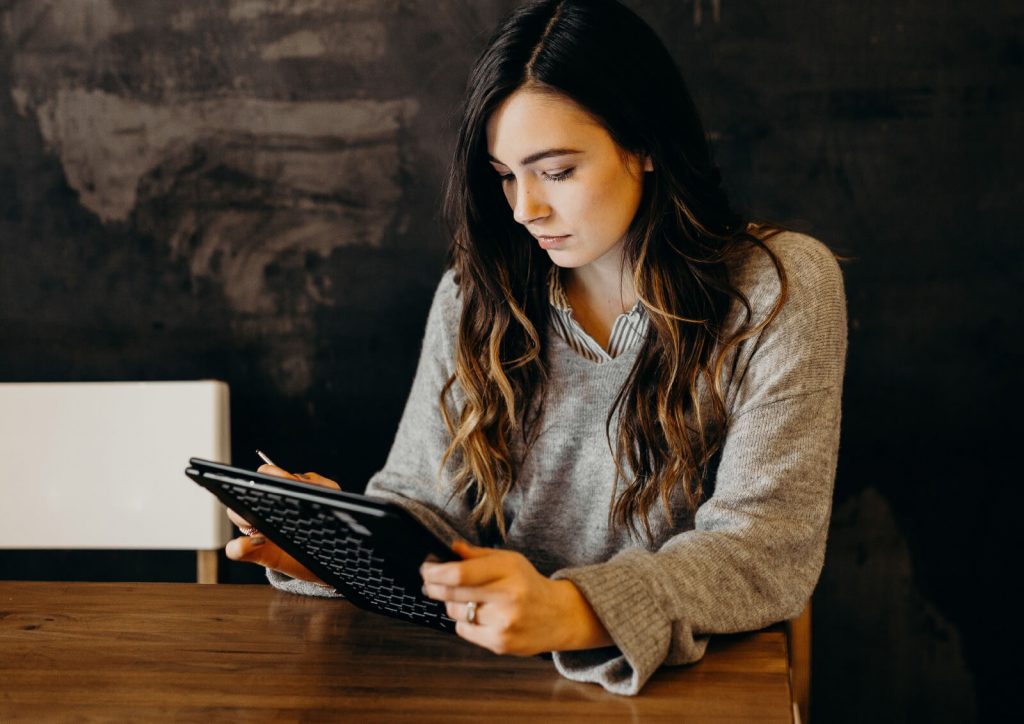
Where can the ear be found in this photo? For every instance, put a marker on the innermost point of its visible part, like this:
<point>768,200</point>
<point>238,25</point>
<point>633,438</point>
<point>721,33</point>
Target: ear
<point>648,165</point>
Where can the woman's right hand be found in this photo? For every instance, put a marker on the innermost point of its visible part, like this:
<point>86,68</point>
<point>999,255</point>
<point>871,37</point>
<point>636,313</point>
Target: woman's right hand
<point>257,549</point>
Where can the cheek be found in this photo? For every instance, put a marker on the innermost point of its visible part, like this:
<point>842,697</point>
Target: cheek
<point>615,202</point>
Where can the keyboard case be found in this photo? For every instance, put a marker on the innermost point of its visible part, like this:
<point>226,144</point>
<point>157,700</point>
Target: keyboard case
<point>368,549</point>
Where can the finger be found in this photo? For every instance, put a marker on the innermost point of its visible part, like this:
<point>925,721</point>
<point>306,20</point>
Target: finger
<point>257,549</point>
<point>238,520</point>
<point>465,594</point>
<point>317,479</point>
<point>488,614</point>
<point>488,637</point>
<point>260,551</point>
<point>467,572</point>
<point>474,633</point>
<point>276,472</point>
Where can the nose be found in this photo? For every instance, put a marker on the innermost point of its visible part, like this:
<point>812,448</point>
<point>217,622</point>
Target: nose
<point>528,205</point>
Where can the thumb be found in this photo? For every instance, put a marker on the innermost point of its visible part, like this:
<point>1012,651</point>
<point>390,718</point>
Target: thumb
<point>466,550</point>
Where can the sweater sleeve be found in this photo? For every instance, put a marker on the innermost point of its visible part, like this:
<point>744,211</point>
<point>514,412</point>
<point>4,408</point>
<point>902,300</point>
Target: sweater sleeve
<point>757,546</point>
<point>409,478</point>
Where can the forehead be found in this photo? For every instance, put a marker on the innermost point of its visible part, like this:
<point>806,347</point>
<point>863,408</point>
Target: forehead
<point>529,121</point>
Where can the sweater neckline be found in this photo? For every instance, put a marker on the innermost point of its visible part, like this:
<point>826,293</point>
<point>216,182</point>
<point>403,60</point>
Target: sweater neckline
<point>560,347</point>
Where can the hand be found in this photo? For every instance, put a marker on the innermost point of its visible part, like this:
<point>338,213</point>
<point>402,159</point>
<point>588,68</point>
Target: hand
<point>257,549</point>
<point>519,611</point>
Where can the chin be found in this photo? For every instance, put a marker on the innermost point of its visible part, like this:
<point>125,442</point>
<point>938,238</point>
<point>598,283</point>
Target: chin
<point>567,260</point>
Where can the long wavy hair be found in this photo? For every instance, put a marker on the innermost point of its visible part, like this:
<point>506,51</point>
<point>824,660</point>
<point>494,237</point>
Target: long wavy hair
<point>604,58</point>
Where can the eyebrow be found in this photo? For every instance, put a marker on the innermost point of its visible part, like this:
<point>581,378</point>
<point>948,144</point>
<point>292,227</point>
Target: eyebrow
<point>534,157</point>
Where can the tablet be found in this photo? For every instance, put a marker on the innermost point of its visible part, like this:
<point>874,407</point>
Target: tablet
<point>368,549</point>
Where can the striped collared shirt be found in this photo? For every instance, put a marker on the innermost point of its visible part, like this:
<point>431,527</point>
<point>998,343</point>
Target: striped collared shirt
<point>628,331</point>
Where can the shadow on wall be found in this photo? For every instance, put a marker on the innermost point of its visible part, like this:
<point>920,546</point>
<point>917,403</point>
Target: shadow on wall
<point>873,612</point>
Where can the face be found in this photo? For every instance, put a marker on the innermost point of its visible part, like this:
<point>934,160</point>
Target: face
<point>566,180</point>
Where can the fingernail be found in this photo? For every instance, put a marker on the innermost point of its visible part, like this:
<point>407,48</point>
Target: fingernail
<point>257,540</point>
<point>424,590</point>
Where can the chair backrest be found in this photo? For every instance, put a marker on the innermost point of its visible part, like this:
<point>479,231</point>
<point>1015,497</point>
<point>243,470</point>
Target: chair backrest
<point>798,634</point>
<point>100,464</point>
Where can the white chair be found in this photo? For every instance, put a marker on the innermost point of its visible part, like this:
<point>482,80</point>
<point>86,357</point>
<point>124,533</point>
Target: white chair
<point>99,465</point>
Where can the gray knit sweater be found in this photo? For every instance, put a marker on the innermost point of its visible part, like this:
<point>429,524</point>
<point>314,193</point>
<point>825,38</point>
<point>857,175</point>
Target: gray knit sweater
<point>753,552</point>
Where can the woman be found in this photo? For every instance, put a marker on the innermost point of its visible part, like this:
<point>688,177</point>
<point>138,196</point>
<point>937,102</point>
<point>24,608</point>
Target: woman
<point>626,410</point>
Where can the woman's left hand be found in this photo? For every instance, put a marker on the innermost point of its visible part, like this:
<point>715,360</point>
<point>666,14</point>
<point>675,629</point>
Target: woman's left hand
<point>518,610</point>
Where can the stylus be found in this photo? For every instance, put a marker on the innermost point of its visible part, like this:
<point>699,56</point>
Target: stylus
<point>267,460</point>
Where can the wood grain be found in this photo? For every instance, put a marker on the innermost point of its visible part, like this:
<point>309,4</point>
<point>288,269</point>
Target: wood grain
<point>117,652</point>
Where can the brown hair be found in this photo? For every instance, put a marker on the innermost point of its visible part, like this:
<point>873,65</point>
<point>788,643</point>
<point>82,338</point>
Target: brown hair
<point>680,246</point>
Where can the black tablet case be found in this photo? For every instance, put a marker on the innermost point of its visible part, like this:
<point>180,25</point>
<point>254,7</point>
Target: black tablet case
<point>368,549</point>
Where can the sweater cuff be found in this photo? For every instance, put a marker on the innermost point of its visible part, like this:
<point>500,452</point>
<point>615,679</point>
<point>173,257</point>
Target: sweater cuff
<point>288,584</point>
<point>634,619</point>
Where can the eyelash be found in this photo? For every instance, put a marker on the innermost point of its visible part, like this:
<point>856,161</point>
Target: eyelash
<point>555,177</point>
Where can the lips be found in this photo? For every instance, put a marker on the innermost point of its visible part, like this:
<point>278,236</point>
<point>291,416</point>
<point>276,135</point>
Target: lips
<point>550,242</point>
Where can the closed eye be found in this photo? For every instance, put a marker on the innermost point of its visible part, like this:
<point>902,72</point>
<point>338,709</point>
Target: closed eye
<point>560,176</point>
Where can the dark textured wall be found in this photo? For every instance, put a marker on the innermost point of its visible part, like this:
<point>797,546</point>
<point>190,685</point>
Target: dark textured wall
<point>249,190</point>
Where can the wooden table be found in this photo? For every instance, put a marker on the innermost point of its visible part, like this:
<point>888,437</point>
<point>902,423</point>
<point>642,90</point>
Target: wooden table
<point>158,651</point>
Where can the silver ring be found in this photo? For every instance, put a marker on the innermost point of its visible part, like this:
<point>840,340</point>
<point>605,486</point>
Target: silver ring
<point>471,612</point>
<point>249,531</point>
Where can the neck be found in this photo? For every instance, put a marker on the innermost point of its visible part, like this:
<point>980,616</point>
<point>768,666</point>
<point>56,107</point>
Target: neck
<point>605,286</point>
